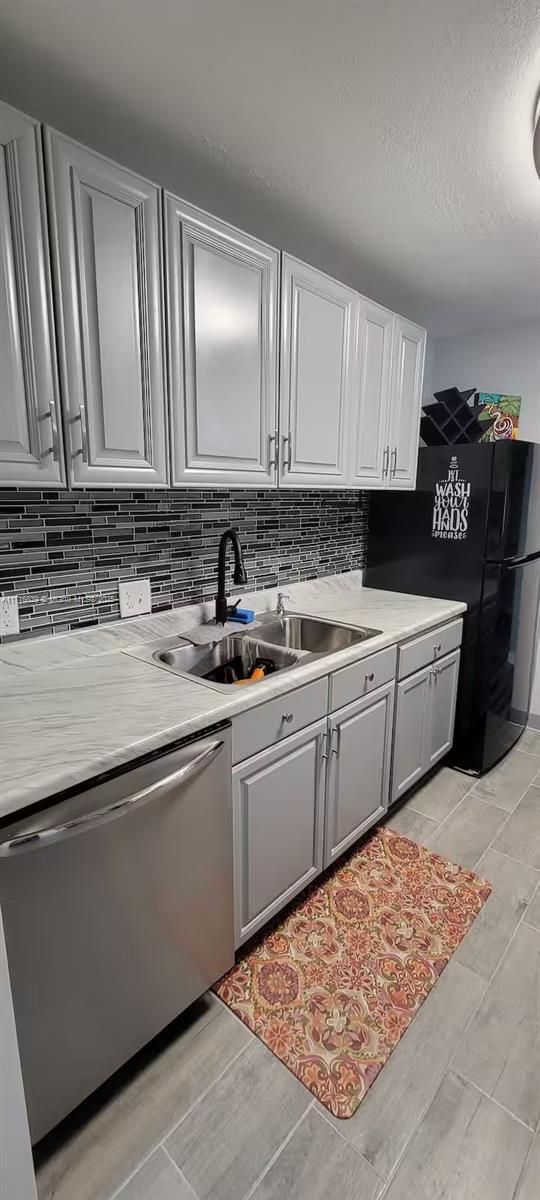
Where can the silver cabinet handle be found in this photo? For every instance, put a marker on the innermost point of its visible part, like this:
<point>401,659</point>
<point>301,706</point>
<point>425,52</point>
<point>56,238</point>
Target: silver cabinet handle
<point>385,458</point>
<point>393,468</point>
<point>324,744</point>
<point>272,444</point>
<point>84,434</point>
<point>287,717</point>
<point>287,441</point>
<point>57,833</point>
<point>437,649</point>
<point>335,749</point>
<point>369,678</point>
<point>54,448</point>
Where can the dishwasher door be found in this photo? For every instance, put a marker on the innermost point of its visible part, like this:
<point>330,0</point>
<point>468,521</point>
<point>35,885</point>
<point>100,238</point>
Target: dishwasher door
<point>118,913</point>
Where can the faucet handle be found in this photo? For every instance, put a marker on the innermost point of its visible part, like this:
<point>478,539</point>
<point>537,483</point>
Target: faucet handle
<point>281,596</point>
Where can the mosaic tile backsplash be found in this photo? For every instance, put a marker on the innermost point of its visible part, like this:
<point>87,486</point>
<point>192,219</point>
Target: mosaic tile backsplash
<point>63,553</point>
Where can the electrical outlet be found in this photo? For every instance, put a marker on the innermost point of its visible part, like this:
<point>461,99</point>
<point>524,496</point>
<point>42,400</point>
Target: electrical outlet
<point>135,597</point>
<point>9,615</point>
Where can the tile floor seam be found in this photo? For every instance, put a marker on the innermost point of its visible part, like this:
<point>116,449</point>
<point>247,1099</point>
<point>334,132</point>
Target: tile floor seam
<point>533,897</point>
<point>466,1028</point>
<point>410,804</point>
<point>183,1177</point>
<point>351,1145</point>
<point>161,1144</point>
<point>204,1093</point>
<point>504,854</point>
<point>498,806</point>
<point>522,1173</point>
<point>488,985</point>
<point>491,845</point>
<point>508,1111</point>
<point>274,1157</point>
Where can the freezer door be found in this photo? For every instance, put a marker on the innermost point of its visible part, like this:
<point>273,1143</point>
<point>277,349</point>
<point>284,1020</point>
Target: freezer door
<point>117,909</point>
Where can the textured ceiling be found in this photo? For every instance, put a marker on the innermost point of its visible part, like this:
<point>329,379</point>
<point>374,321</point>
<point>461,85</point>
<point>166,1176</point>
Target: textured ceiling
<point>389,140</point>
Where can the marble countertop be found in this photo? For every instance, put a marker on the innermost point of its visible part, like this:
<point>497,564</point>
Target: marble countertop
<point>75,705</point>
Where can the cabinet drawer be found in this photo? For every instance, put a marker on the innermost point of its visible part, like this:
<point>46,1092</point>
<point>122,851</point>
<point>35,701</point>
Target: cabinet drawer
<point>361,678</point>
<point>429,647</point>
<point>275,720</point>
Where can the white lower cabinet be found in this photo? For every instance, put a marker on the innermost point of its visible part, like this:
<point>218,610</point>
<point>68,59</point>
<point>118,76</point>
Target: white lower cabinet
<point>424,725</point>
<point>278,807</point>
<point>409,734</point>
<point>301,802</point>
<point>442,707</point>
<point>358,769</point>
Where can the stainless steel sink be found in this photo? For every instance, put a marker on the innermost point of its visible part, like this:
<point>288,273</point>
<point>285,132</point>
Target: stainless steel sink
<point>202,660</point>
<point>285,640</point>
<point>310,634</point>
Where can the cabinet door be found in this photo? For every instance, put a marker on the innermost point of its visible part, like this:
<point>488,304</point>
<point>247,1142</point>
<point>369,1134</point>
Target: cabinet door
<point>107,251</point>
<point>278,806</point>
<point>222,306</point>
<point>406,402</point>
<point>410,731</point>
<point>442,707</point>
<point>30,431</point>
<point>371,453</point>
<point>317,377</point>
<point>359,769</point>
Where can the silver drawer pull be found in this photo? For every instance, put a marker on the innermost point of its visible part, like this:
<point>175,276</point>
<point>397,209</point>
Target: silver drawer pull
<point>56,833</point>
<point>51,416</point>
<point>437,648</point>
<point>287,717</point>
<point>369,678</point>
<point>272,445</point>
<point>83,451</point>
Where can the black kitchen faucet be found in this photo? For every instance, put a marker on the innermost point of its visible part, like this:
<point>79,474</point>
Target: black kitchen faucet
<point>239,576</point>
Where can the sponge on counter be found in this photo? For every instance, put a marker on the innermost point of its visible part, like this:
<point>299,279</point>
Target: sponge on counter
<point>242,615</point>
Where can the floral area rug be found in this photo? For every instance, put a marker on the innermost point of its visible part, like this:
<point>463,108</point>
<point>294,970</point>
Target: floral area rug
<point>332,989</point>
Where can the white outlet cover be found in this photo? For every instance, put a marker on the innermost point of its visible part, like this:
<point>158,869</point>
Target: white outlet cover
<point>135,597</point>
<point>9,615</point>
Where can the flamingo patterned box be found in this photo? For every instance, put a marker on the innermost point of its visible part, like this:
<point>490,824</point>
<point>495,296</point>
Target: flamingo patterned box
<point>505,410</point>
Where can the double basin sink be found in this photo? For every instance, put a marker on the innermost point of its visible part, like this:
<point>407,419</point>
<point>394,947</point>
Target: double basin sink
<point>273,643</point>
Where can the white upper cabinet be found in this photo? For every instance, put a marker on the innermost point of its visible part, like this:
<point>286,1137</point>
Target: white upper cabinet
<point>371,404</point>
<point>317,376</point>
<point>222,306</point>
<point>106,225</point>
<point>30,431</point>
<point>406,403</point>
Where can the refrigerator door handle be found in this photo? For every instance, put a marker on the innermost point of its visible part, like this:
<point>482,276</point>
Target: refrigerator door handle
<point>512,564</point>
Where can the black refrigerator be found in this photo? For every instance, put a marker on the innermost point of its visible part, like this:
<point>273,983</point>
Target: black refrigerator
<point>471,531</point>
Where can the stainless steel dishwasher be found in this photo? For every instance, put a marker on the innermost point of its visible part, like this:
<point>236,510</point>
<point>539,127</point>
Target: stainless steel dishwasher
<point>117,906</point>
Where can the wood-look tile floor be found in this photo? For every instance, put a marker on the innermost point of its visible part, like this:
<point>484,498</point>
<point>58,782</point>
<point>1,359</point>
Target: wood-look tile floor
<point>208,1112</point>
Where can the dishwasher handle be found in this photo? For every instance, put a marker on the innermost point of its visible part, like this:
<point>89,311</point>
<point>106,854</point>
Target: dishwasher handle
<point>56,833</point>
